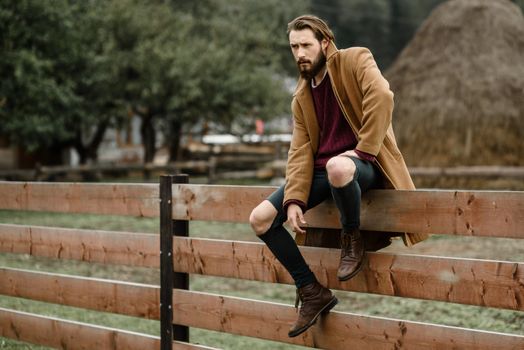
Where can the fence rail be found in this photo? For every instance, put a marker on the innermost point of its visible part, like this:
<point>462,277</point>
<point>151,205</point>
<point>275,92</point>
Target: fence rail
<point>469,213</point>
<point>116,199</point>
<point>465,281</point>
<point>96,246</point>
<point>338,331</point>
<point>130,299</point>
<point>63,334</point>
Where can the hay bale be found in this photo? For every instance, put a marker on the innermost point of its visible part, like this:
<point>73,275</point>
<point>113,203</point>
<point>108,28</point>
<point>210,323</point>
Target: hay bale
<point>459,86</point>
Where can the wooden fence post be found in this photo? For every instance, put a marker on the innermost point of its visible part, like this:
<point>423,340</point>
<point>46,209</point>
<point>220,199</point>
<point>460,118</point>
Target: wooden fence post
<point>168,278</point>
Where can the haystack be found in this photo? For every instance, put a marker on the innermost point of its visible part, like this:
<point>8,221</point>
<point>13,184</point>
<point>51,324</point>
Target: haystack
<point>459,87</point>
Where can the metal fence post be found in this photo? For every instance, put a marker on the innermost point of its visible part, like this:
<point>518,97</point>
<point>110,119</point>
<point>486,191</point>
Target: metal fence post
<point>168,278</point>
<point>181,280</point>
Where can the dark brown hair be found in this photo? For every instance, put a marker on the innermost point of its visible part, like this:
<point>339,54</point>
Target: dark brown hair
<point>317,25</point>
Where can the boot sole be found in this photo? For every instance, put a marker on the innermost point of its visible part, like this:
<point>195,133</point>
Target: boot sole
<point>324,310</point>
<point>352,274</point>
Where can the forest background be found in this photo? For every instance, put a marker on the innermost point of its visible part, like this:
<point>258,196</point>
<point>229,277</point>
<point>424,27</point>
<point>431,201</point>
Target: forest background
<point>72,69</point>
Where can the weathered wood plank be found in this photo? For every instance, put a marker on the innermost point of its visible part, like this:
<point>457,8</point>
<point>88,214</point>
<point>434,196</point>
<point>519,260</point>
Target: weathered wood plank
<point>136,249</point>
<point>474,213</point>
<point>466,281</point>
<point>114,199</point>
<point>124,298</point>
<point>216,203</point>
<point>470,213</point>
<point>62,334</point>
<point>71,335</point>
<point>336,330</point>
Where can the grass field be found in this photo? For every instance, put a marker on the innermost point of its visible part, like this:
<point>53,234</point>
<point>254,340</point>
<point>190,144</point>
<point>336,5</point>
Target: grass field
<point>416,310</point>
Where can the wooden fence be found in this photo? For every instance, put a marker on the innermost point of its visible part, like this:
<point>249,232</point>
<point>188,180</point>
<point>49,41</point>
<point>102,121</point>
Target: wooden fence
<point>485,283</point>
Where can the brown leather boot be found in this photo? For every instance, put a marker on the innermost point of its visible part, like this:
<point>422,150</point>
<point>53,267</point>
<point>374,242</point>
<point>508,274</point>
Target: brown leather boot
<point>351,254</point>
<point>316,300</point>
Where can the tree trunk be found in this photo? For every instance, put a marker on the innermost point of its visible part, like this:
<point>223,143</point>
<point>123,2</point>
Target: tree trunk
<point>96,140</point>
<point>148,134</point>
<point>175,132</point>
<point>80,148</point>
<point>147,131</point>
<point>90,151</point>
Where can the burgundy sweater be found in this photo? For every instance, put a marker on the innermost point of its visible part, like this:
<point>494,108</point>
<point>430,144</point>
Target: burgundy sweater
<point>336,135</point>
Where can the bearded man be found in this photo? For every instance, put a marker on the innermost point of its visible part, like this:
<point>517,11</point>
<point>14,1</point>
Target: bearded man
<point>342,145</point>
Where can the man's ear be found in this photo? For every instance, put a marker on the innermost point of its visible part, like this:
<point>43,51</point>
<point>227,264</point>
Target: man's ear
<point>324,44</point>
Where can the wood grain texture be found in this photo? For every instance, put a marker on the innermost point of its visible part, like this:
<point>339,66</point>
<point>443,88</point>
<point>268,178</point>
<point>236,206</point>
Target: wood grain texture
<point>89,198</point>
<point>336,330</point>
<point>107,247</point>
<point>131,299</point>
<point>466,281</point>
<point>70,335</point>
<point>469,213</point>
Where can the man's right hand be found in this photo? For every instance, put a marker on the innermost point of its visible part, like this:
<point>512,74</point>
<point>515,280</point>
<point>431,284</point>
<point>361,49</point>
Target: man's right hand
<point>295,218</point>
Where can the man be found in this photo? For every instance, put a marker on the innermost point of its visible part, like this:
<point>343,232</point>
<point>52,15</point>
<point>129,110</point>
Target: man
<point>342,146</point>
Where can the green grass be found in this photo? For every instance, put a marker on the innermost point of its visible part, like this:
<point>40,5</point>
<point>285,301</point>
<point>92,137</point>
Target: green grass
<point>8,344</point>
<point>400,308</point>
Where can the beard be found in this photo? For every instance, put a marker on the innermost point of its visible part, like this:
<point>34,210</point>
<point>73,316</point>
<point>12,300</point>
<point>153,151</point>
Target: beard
<point>315,66</point>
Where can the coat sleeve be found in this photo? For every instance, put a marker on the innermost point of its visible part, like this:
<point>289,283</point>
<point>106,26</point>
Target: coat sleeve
<point>299,170</point>
<point>377,102</point>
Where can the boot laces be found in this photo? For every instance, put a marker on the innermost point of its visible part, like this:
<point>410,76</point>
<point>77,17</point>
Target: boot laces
<point>297,299</point>
<point>354,241</point>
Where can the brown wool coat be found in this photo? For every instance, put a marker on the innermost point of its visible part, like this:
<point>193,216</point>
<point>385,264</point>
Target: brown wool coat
<point>367,103</point>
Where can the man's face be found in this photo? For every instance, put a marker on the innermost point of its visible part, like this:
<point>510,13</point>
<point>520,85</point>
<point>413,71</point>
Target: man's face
<point>308,52</point>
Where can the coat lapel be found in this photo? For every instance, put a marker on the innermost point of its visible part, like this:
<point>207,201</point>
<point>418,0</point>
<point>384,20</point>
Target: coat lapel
<point>343,95</point>
<point>305,101</point>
